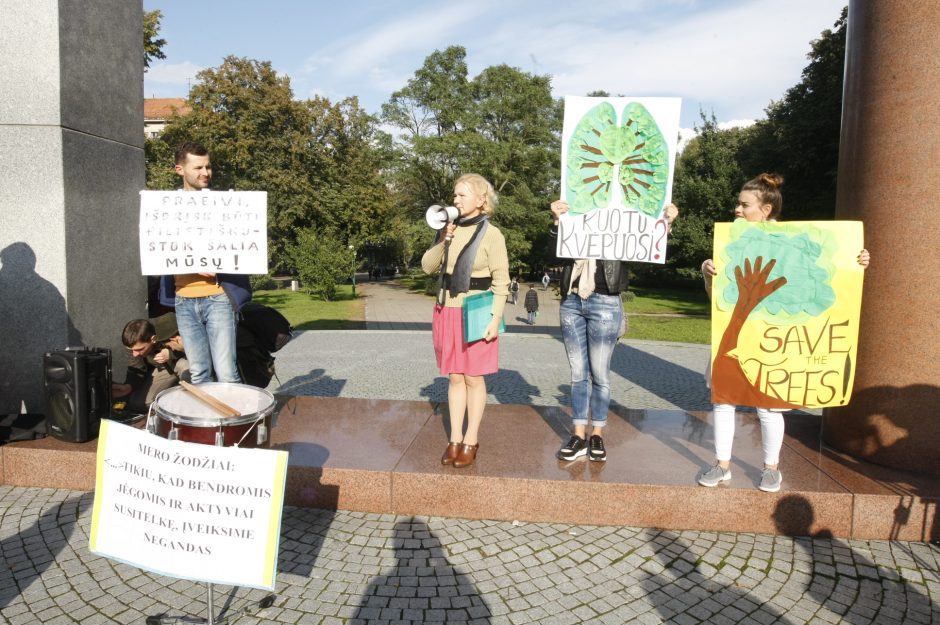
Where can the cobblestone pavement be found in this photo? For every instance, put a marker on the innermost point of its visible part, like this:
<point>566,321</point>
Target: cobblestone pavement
<point>356,568</point>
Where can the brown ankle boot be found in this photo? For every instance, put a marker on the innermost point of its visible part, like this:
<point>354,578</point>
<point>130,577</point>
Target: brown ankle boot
<point>466,455</point>
<point>450,454</point>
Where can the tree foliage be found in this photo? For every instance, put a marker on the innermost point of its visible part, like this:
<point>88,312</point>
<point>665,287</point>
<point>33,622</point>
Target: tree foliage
<point>334,176</point>
<point>503,124</point>
<point>800,137</point>
<point>153,43</point>
<point>803,258</point>
<point>708,178</point>
<point>321,262</point>
<point>320,162</point>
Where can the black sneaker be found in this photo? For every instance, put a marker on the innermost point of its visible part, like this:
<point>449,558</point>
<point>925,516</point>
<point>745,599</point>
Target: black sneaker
<point>598,453</point>
<point>574,448</point>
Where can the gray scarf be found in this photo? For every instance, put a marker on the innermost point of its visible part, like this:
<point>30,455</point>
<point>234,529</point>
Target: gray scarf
<point>460,277</point>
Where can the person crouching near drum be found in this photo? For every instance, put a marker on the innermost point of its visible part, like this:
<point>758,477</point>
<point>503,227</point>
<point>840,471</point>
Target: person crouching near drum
<point>471,257</point>
<point>157,361</point>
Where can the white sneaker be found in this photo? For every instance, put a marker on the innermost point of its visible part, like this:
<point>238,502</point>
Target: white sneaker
<point>714,476</point>
<point>770,480</point>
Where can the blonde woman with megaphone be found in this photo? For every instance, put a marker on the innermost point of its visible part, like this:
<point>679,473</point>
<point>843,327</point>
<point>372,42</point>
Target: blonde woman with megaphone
<point>470,254</point>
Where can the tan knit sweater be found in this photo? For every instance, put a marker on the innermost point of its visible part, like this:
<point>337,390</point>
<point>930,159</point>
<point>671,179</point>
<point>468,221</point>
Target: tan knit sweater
<point>491,262</point>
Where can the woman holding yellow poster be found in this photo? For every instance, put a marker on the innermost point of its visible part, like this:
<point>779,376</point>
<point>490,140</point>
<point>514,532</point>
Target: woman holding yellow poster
<point>754,281</point>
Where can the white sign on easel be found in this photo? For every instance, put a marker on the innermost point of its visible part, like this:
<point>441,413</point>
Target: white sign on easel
<point>617,167</point>
<point>187,510</point>
<point>203,232</point>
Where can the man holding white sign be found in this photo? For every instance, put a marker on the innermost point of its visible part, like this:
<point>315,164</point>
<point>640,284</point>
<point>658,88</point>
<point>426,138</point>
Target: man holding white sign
<point>206,303</point>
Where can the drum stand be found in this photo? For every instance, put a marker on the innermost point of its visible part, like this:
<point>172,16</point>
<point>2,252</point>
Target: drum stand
<point>252,608</point>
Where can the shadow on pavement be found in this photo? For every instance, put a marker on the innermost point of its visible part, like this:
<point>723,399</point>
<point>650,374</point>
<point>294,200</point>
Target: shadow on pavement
<point>674,585</point>
<point>851,587</point>
<point>316,383</point>
<point>27,553</point>
<point>677,384</point>
<point>422,586</point>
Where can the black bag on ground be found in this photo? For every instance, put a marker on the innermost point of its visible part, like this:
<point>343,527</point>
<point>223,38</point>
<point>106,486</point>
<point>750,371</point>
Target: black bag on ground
<point>21,427</point>
<point>269,327</point>
<point>255,364</point>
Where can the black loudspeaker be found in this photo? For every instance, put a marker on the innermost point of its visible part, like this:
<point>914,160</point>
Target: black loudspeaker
<point>78,392</point>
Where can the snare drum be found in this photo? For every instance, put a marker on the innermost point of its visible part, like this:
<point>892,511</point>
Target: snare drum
<point>177,414</point>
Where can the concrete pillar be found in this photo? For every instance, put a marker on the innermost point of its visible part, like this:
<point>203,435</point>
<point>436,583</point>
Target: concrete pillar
<point>888,164</point>
<point>71,145</point>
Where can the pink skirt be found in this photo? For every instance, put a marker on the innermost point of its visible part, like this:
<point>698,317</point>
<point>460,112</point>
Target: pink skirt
<point>455,356</point>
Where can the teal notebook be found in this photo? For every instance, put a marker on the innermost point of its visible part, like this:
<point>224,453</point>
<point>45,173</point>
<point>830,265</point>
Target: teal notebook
<point>477,314</point>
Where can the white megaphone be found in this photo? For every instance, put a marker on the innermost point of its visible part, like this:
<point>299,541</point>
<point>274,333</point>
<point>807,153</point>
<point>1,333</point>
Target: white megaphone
<point>439,216</point>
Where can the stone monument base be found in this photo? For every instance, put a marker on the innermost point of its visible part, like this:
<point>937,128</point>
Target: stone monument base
<point>383,456</point>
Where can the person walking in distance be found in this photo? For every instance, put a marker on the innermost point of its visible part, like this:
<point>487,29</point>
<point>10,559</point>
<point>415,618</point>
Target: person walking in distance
<point>531,304</point>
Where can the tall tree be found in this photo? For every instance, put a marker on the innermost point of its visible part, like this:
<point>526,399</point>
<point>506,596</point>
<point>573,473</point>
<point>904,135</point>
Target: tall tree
<point>708,178</point>
<point>800,138</point>
<point>315,159</point>
<point>503,124</point>
<point>153,43</point>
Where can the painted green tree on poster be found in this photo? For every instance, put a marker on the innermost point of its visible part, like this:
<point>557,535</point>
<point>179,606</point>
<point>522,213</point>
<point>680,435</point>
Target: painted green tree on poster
<point>779,276</point>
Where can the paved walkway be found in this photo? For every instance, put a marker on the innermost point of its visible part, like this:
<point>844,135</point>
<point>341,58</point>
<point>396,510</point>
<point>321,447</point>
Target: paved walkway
<point>390,306</point>
<point>355,568</point>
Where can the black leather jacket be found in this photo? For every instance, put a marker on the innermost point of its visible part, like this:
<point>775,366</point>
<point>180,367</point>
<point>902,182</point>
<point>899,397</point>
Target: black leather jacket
<point>616,274</point>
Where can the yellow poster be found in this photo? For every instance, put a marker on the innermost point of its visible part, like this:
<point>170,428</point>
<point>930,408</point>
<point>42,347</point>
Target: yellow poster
<point>785,313</point>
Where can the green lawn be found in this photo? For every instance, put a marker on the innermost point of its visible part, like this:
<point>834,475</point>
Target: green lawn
<point>650,300</point>
<point>676,329</point>
<point>418,282</point>
<point>648,303</point>
<point>650,311</point>
<point>305,312</point>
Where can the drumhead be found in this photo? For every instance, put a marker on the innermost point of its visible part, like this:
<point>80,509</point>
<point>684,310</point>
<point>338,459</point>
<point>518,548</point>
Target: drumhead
<point>180,406</point>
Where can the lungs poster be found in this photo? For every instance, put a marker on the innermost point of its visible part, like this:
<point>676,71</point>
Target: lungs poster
<point>785,313</point>
<point>617,165</point>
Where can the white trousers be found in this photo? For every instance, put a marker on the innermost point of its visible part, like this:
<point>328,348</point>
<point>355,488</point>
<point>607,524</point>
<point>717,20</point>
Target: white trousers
<point>771,432</point>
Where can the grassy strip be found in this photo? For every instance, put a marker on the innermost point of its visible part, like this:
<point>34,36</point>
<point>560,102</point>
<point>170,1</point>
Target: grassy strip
<point>347,313</point>
<point>418,282</point>
<point>674,301</point>
<point>675,329</point>
<point>309,313</point>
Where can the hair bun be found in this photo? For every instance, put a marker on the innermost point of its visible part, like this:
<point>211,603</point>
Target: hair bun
<point>774,181</point>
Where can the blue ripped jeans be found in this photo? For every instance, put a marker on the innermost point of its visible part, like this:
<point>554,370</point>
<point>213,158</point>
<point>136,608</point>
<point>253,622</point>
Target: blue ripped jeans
<point>590,329</point>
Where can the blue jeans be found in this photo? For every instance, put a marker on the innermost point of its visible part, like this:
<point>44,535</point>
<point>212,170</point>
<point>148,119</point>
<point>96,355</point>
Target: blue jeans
<point>207,327</point>
<point>590,329</point>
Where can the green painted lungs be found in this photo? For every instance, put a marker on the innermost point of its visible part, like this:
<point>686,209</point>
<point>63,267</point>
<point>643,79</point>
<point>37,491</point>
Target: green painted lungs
<point>598,148</point>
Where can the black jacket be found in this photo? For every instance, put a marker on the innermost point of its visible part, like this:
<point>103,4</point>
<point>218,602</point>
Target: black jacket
<point>612,276</point>
<point>531,301</point>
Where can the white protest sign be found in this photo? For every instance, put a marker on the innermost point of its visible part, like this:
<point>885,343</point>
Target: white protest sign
<point>186,510</point>
<point>617,166</point>
<point>203,232</point>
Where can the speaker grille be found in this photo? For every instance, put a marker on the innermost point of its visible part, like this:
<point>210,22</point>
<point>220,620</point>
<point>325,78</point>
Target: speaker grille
<point>78,392</point>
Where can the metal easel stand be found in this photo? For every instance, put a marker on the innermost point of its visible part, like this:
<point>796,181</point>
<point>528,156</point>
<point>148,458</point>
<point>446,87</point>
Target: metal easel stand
<point>210,619</point>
